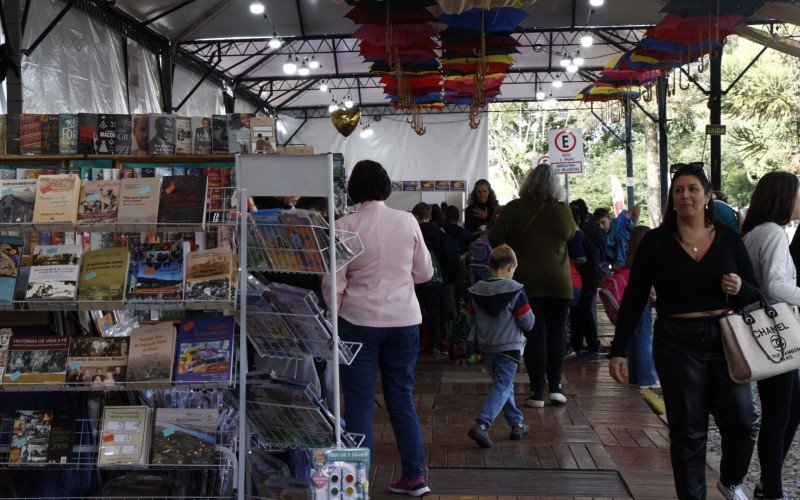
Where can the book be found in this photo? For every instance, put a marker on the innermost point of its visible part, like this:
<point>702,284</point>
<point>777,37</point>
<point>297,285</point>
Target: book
<point>139,130</point>
<point>161,134</point>
<point>219,134</point>
<point>68,134</point>
<point>30,437</point>
<point>36,360</point>
<point>301,238</point>
<point>185,436</point>
<point>5,341</point>
<point>30,134</point>
<point>124,436</point>
<point>50,135</point>
<point>10,256</point>
<point>87,133</point>
<point>124,134</point>
<point>57,199</point>
<point>2,134</point>
<point>62,438</point>
<point>139,200</point>
<point>159,274</point>
<point>183,135</point>
<point>204,349</point>
<point>201,135</point>
<point>150,358</point>
<point>12,134</point>
<point>182,199</point>
<point>262,135</point>
<point>99,201</point>
<point>103,274</point>
<point>17,198</point>
<point>208,275</point>
<point>218,178</point>
<point>239,132</point>
<point>54,272</point>
<point>106,134</point>
<point>97,361</point>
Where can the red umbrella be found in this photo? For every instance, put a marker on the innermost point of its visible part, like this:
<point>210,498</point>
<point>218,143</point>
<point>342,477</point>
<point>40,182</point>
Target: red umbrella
<point>374,50</point>
<point>472,68</point>
<point>361,15</point>
<point>690,30</point>
<point>403,34</point>
<point>415,81</point>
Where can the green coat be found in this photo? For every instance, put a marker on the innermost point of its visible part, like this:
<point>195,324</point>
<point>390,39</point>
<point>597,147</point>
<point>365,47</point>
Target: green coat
<point>542,251</point>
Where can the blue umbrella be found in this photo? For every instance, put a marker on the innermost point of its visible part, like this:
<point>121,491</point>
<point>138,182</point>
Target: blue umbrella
<point>487,21</point>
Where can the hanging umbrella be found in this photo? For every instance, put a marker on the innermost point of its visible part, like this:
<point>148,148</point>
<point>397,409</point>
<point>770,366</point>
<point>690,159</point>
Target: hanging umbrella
<point>490,51</point>
<point>689,8</point>
<point>391,5</point>
<point>472,68</point>
<point>628,75</point>
<point>403,34</point>
<point>503,19</point>
<point>361,15</point>
<point>372,50</point>
<point>459,35</point>
<point>415,82</point>
<point>500,58</point>
<point>459,6</point>
<point>689,30</point>
<point>504,41</point>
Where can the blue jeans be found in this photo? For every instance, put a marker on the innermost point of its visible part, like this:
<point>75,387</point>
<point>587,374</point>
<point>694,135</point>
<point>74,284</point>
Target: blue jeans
<point>641,368</point>
<point>394,351</point>
<point>501,396</point>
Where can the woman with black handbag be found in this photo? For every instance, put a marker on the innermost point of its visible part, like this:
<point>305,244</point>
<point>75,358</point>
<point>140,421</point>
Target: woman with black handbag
<point>696,267</point>
<point>773,205</point>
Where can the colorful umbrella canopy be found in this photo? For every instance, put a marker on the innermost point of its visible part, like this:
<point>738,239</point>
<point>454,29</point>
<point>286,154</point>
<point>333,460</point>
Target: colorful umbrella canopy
<point>503,19</point>
<point>689,8</point>
<point>459,6</point>
<point>694,29</point>
<point>392,6</point>
<point>361,15</point>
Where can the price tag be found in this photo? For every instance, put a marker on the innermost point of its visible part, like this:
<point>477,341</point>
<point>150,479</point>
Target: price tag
<point>52,251</point>
<point>75,365</point>
<point>168,432</point>
<point>188,326</point>
<point>144,190</point>
<point>93,197</point>
<point>6,192</point>
<point>19,443</point>
<point>14,376</point>
<point>90,276</point>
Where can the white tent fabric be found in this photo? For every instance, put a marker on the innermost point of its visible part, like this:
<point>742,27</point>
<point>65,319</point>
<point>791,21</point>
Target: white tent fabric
<point>206,100</point>
<point>448,150</point>
<point>143,88</point>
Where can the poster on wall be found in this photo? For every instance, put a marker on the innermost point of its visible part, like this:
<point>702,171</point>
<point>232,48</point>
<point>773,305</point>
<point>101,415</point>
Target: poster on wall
<point>427,185</point>
<point>410,185</point>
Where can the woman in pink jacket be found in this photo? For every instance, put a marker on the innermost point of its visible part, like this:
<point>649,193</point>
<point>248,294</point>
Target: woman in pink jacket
<point>378,308</point>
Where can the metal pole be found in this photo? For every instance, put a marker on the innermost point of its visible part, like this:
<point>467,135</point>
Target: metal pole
<point>662,91</point>
<point>566,187</point>
<point>626,104</point>
<point>13,36</point>
<point>334,305</point>
<point>244,438</point>
<point>715,105</point>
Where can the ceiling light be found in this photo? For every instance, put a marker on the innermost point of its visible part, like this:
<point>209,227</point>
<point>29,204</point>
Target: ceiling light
<point>323,87</point>
<point>348,102</point>
<point>257,7</point>
<point>290,67</point>
<point>587,40</point>
<point>572,68</point>
<point>313,63</point>
<point>578,60</point>
<point>557,83</point>
<point>333,107</point>
<point>275,42</point>
<point>366,133</point>
<point>565,60</point>
<point>303,70</point>
<point>596,3</point>
<point>540,95</point>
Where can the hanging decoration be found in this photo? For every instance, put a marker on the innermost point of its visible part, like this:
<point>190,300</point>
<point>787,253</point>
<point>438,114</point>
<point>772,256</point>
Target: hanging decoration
<point>345,121</point>
<point>459,6</point>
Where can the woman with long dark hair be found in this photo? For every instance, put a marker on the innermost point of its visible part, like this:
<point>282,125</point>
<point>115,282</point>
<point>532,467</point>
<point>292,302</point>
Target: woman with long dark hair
<point>697,267</point>
<point>773,205</point>
<point>480,206</point>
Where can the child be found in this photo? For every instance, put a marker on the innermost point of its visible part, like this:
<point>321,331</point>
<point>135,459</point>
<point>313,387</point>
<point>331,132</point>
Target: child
<point>499,312</point>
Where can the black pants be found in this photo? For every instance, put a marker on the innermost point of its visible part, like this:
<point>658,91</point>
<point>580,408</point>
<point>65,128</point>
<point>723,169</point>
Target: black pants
<point>694,377</point>
<point>438,301</point>
<point>547,344</point>
<point>780,416</point>
<point>582,322</point>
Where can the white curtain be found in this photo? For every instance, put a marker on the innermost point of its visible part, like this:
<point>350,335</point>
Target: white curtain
<point>206,100</point>
<point>143,87</point>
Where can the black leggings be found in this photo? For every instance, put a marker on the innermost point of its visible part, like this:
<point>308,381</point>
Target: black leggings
<point>547,344</point>
<point>694,377</point>
<point>780,416</point>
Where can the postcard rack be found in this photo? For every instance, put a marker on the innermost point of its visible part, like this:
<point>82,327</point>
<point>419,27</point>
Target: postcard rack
<point>93,305</point>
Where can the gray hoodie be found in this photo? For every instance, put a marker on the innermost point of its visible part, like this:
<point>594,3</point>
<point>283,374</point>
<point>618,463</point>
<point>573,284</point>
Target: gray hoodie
<point>498,314</point>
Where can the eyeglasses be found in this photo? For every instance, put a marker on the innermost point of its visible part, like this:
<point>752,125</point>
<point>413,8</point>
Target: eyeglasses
<point>693,166</point>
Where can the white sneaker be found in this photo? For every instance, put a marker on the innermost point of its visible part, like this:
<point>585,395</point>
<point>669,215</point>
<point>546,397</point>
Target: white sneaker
<point>534,403</point>
<point>731,492</point>
<point>557,398</point>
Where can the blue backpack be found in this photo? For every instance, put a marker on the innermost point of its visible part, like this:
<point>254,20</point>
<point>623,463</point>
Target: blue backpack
<point>478,259</point>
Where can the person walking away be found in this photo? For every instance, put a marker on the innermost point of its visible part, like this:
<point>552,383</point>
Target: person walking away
<point>378,308</point>
<point>583,325</point>
<point>499,313</point>
<point>697,267</point>
<point>774,203</point>
<point>537,226</point>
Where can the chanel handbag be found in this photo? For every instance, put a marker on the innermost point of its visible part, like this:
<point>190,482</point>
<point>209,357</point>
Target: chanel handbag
<point>761,341</point>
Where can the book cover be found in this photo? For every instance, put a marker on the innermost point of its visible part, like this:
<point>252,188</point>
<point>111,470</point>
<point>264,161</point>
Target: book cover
<point>185,436</point>
<point>124,134</point>
<point>30,134</point>
<point>54,272</point>
<point>239,132</point>
<point>218,178</point>
<point>159,274</point>
<point>204,349</point>
<point>57,198</point>
<point>36,360</point>
<point>10,255</point>
<point>299,235</point>
<point>30,436</point>
<point>62,438</point>
<point>262,135</point>
<point>103,274</point>
<point>87,133</point>
<point>150,358</point>
<point>99,201</point>
<point>124,436</point>
<point>161,134</point>
<point>201,136</point>
<point>139,200</point>
<point>50,135</point>
<point>67,134</point>
<point>139,130</point>
<point>208,275</point>
<point>5,341</point>
<point>219,134</point>
<point>182,199</point>
<point>2,134</point>
<point>12,134</point>
<point>183,135</point>
<point>106,134</point>
<point>17,198</point>
<point>97,361</point>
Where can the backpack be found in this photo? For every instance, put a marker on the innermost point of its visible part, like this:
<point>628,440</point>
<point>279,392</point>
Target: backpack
<point>436,279</point>
<point>460,347</point>
<point>612,288</point>
<point>478,256</point>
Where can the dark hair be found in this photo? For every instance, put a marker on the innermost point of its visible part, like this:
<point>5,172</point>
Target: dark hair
<point>772,200</point>
<point>637,235</point>
<point>473,199</point>
<point>670,217</point>
<point>422,210</point>
<point>437,216</point>
<point>452,214</point>
<point>582,207</point>
<point>501,257</point>
<point>600,213</point>
<point>369,182</point>
<point>315,203</point>
<point>721,196</point>
<point>576,214</point>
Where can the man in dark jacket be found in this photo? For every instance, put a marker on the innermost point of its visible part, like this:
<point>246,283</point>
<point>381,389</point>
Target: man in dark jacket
<point>583,323</point>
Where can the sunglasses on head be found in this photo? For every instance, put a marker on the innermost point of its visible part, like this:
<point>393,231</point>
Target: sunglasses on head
<point>693,166</point>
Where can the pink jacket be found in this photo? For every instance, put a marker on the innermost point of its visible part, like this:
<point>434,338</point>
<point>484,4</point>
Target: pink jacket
<point>377,288</point>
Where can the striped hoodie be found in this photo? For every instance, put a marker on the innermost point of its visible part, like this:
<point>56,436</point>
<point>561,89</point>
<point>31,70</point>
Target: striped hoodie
<point>498,314</point>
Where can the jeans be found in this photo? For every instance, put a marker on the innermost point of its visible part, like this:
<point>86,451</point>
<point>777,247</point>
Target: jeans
<point>641,368</point>
<point>394,351</point>
<point>501,397</point>
<point>780,416</point>
<point>582,322</point>
<point>694,378</point>
<point>547,344</point>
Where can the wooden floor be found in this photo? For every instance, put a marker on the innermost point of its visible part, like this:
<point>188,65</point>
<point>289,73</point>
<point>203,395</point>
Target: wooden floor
<point>604,443</point>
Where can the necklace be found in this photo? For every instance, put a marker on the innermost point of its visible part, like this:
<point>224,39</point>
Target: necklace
<point>690,245</point>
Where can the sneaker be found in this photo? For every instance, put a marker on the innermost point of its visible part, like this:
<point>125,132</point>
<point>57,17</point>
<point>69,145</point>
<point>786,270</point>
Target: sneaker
<point>519,431</point>
<point>533,403</point>
<point>758,492</point>
<point>602,351</point>
<point>657,385</point>
<point>731,492</point>
<point>589,357</point>
<point>557,398</point>
<point>480,436</point>
<point>415,487</point>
